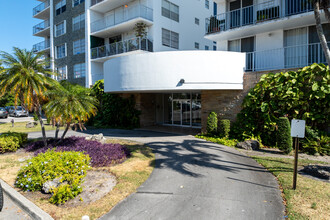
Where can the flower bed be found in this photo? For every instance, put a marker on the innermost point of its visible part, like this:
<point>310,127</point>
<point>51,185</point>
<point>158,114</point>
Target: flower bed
<point>101,154</point>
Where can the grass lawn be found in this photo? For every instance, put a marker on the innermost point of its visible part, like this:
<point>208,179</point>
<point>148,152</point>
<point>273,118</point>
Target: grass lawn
<point>311,199</point>
<point>130,175</point>
<point>20,127</point>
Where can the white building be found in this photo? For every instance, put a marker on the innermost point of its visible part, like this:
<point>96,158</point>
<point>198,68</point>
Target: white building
<point>275,34</point>
<point>171,25</point>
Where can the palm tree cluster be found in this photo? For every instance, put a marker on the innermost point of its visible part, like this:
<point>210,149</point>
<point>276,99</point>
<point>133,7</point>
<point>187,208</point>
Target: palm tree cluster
<point>26,77</point>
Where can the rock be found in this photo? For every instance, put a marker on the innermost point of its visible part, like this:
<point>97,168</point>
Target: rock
<point>51,184</point>
<point>249,145</point>
<point>319,171</point>
<point>31,124</point>
<point>97,137</point>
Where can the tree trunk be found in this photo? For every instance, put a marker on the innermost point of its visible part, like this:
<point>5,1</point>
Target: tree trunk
<point>44,138</point>
<point>325,7</point>
<point>320,32</point>
<point>57,130</point>
<point>65,131</point>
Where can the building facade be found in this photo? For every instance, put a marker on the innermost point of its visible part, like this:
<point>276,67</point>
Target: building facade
<point>274,34</point>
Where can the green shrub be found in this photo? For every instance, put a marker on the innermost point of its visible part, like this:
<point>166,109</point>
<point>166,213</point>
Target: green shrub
<point>224,128</point>
<point>224,141</point>
<point>212,124</point>
<point>302,94</point>
<point>22,137</point>
<point>283,137</point>
<point>69,166</point>
<point>8,144</point>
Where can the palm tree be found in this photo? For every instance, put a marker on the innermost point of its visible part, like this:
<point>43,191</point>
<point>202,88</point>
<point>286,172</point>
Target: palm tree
<point>70,103</point>
<point>25,77</point>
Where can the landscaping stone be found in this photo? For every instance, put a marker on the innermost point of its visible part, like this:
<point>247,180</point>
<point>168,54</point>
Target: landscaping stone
<point>319,171</point>
<point>50,184</point>
<point>31,124</point>
<point>249,145</point>
<point>96,137</point>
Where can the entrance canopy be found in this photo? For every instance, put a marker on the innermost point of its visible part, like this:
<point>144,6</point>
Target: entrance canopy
<point>176,71</point>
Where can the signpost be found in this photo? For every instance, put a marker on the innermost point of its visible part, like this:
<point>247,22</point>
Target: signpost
<point>297,131</point>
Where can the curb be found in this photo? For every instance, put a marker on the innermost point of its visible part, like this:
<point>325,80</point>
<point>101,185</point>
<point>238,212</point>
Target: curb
<point>30,208</point>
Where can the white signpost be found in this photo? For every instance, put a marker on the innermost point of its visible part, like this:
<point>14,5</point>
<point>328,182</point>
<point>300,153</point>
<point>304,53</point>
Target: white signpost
<point>297,131</point>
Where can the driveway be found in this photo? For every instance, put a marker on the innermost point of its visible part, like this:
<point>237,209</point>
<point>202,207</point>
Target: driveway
<point>195,179</point>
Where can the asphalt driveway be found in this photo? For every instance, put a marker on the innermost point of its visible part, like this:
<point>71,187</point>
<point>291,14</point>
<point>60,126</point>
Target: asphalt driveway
<point>195,179</point>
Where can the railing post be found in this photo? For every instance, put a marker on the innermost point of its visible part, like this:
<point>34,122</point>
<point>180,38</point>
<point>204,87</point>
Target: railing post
<point>116,47</point>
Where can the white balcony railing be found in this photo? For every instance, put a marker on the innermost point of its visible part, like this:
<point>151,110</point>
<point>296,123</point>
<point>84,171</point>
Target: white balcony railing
<point>253,14</point>
<point>40,7</point>
<point>284,58</point>
<point>122,47</point>
<point>122,16</point>
<point>41,26</point>
<point>41,46</point>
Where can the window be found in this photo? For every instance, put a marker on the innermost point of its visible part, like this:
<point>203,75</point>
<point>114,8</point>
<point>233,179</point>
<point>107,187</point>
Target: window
<point>170,10</point>
<point>196,45</point>
<point>77,2</point>
<point>60,7</point>
<point>61,73</point>
<point>60,29</point>
<point>214,48</point>
<point>79,46</point>
<point>60,51</point>
<point>197,21</point>
<point>207,4</point>
<point>207,47</point>
<point>170,39</point>
<point>78,22</point>
<point>79,70</point>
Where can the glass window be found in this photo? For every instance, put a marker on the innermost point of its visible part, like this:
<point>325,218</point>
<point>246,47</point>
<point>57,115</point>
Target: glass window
<point>61,73</point>
<point>79,46</point>
<point>60,29</point>
<point>78,22</point>
<point>60,7</point>
<point>79,70</point>
<point>170,10</point>
<point>77,2</point>
<point>196,45</point>
<point>60,51</point>
<point>214,48</point>
<point>207,47</point>
<point>197,21</point>
<point>207,4</point>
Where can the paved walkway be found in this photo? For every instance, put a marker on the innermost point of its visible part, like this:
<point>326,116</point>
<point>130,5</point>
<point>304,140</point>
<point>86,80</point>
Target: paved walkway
<point>11,211</point>
<point>195,179</point>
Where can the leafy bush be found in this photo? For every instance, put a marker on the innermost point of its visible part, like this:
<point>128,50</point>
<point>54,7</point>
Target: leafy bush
<point>22,137</point>
<point>302,94</point>
<point>9,144</point>
<point>283,137</point>
<point>315,143</point>
<point>224,128</point>
<point>70,167</point>
<point>224,141</point>
<point>212,123</point>
<point>101,154</point>
<point>114,111</point>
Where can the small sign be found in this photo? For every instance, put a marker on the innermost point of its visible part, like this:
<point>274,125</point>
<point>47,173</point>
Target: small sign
<point>298,128</point>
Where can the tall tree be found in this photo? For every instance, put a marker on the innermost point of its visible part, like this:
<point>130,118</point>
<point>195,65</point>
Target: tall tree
<point>325,6</point>
<point>25,77</point>
<point>71,103</point>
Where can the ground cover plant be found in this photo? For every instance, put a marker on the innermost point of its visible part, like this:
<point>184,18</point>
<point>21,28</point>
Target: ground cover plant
<point>11,141</point>
<point>311,198</point>
<point>101,154</point>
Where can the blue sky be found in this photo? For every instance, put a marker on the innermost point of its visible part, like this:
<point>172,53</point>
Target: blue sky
<point>16,24</point>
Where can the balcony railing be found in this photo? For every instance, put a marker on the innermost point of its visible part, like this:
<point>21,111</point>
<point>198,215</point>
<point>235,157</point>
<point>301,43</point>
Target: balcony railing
<point>41,46</point>
<point>122,47</point>
<point>94,2</point>
<point>123,16</point>
<point>41,26</point>
<point>284,58</point>
<point>40,7</point>
<point>253,14</point>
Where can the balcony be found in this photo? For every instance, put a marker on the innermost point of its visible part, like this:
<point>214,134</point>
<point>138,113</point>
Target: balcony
<point>42,46</point>
<point>122,21</point>
<point>42,29</point>
<point>285,58</point>
<point>259,18</point>
<point>103,6</point>
<point>109,51</point>
<point>42,11</point>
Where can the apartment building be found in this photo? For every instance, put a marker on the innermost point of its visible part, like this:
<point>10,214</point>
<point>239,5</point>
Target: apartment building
<point>81,35</point>
<point>274,34</point>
